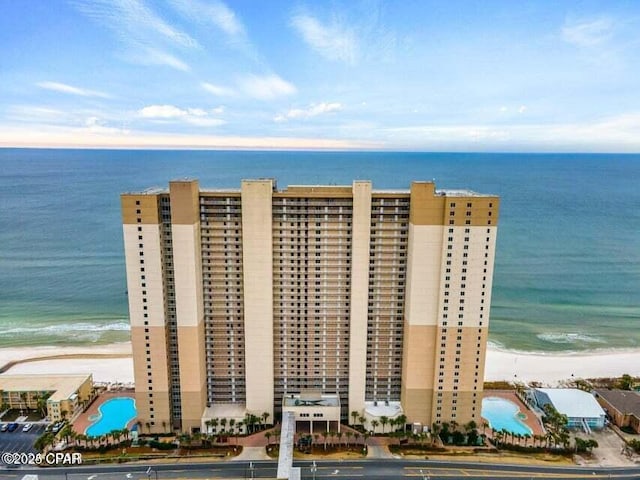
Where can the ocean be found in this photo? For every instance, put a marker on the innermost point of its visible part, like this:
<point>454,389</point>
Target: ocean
<point>567,275</point>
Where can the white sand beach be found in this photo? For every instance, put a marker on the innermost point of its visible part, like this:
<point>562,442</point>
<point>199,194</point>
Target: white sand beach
<point>551,368</point>
<point>112,363</point>
<point>108,363</point>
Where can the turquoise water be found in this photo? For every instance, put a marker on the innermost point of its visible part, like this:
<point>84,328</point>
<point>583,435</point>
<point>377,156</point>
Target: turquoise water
<point>567,271</point>
<point>115,414</point>
<point>502,414</point>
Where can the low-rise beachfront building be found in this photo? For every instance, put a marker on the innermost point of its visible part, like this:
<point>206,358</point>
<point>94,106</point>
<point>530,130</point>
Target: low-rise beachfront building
<point>65,395</point>
<point>580,407</point>
<point>622,406</point>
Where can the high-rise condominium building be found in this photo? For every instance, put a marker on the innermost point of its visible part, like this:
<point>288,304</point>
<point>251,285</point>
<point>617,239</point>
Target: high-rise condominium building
<point>257,300</point>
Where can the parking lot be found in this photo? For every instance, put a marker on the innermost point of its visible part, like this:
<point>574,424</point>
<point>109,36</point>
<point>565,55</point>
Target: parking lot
<point>19,441</point>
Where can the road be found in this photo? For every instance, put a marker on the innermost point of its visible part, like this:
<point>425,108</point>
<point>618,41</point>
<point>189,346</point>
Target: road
<point>378,469</point>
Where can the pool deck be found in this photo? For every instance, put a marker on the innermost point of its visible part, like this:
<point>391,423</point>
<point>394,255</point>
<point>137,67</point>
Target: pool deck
<point>531,420</point>
<point>82,422</point>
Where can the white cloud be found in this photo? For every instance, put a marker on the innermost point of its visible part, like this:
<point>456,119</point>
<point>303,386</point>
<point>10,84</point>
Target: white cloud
<point>132,20</point>
<point>522,109</point>
<point>153,56</point>
<point>332,41</point>
<point>204,121</point>
<point>147,38</point>
<point>70,89</point>
<point>313,110</point>
<point>214,13</point>
<point>218,90</point>
<point>266,87</point>
<point>218,110</point>
<point>263,87</point>
<point>587,33</point>
<point>95,125</point>
<point>162,111</point>
<point>193,116</point>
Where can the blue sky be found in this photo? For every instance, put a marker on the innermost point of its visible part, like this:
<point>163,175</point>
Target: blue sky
<point>402,75</point>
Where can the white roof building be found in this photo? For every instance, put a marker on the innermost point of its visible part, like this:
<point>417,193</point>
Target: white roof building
<point>580,407</point>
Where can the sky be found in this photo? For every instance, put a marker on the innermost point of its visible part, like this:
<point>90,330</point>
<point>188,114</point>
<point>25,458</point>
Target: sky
<point>418,75</point>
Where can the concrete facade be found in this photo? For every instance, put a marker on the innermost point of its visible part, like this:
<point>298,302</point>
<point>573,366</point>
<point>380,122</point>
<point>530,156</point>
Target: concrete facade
<point>247,296</point>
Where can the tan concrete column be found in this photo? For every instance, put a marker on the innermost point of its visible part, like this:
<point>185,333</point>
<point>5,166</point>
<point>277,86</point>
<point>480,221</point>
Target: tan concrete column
<point>424,258</point>
<point>187,267</point>
<point>257,266</point>
<point>143,257</point>
<point>359,301</point>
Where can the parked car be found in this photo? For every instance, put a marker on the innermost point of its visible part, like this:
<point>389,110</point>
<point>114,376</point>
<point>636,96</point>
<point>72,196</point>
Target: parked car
<point>4,427</point>
<point>27,427</point>
<point>12,427</point>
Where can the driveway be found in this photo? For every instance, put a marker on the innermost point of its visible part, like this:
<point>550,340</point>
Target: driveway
<point>609,451</point>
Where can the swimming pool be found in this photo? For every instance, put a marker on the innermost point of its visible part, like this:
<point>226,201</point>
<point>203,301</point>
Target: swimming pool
<point>114,414</point>
<point>503,414</point>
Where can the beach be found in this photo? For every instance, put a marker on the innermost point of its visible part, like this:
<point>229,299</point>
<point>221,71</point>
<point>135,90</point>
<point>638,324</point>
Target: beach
<point>113,363</point>
<point>108,363</point>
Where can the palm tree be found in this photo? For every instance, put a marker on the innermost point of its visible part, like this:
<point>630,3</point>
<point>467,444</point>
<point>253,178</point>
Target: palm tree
<point>348,434</point>
<point>374,424</point>
<point>401,421</point>
<point>454,425</point>
<point>223,423</point>
<point>384,420</point>
<point>354,414</point>
<point>214,424</point>
<point>339,435</point>
<point>23,401</point>
<point>41,402</point>
<point>485,425</point>
<point>268,437</point>
<point>325,435</point>
<point>265,416</point>
<point>435,430</point>
<point>356,437</point>
<point>66,431</point>
<point>362,419</point>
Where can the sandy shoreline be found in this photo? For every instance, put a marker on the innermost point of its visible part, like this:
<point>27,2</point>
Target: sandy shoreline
<point>112,363</point>
<point>107,363</point>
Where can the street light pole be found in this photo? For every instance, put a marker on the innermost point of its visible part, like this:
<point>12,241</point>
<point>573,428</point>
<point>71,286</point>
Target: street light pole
<point>251,467</point>
<point>314,469</point>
